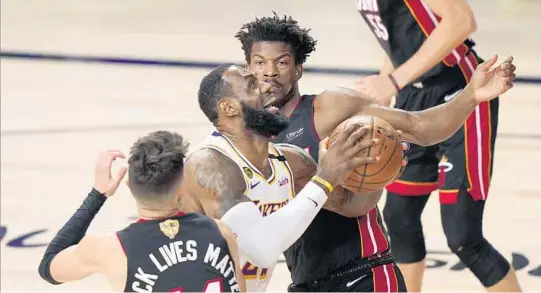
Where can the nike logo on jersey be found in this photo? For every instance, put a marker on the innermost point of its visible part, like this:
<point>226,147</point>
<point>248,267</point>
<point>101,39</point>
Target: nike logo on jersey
<point>254,185</point>
<point>451,96</point>
<point>351,283</point>
<point>313,201</point>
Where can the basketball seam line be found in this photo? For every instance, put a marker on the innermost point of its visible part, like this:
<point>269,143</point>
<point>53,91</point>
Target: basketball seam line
<point>369,150</point>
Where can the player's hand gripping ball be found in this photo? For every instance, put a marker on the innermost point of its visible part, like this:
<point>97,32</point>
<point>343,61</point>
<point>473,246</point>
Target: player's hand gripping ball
<point>375,176</point>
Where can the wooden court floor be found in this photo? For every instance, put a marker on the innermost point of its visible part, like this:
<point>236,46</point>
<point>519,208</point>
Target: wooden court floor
<point>56,116</point>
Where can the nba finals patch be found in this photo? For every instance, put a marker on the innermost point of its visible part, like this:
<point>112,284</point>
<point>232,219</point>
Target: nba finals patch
<point>248,172</point>
<point>169,228</point>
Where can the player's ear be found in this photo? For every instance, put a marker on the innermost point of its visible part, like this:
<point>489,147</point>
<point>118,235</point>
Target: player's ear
<point>229,107</point>
<point>128,181</point>
<point>299,70</point>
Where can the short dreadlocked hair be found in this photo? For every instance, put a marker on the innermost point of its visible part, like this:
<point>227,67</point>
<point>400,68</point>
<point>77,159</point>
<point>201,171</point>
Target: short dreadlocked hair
<point>276,29</point>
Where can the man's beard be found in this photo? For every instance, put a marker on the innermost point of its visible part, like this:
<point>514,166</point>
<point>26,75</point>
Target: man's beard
<point>264,123</point>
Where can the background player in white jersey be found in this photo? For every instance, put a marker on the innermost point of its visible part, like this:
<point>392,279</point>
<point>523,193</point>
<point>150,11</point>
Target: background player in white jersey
<point>239,176</point>
<point>166,250</point>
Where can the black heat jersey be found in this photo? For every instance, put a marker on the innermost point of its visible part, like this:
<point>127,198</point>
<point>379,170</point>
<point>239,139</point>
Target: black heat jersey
<point>184,253</point>
<point>402,26</point>
<point>331,241</point>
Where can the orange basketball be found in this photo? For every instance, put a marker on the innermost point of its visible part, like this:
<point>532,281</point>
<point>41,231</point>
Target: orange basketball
<point>373,177</point>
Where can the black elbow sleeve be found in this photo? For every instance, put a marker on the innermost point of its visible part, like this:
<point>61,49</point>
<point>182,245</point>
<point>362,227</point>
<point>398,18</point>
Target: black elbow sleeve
<point>45,269</point>
<point>72,232</point>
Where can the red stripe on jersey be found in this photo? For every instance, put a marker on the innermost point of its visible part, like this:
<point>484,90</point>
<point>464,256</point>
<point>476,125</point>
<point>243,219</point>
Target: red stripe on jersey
<point>477,139</point>
<point>367,247</point>
<point>428,21</point>
<point>379,233</point>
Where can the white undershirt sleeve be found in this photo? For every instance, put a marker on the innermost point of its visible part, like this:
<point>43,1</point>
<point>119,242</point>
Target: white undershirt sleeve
<point>262,239</point>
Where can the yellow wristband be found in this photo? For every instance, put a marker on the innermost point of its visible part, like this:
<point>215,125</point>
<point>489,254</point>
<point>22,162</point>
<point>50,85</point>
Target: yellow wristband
<point>324,182</point>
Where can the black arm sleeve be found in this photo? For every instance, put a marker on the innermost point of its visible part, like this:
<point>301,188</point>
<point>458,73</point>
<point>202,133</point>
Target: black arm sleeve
<point>73,231</point>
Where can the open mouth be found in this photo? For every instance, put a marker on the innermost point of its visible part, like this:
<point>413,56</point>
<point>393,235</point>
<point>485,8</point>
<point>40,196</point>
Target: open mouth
<point>272,109</point>
<point>269,105</point>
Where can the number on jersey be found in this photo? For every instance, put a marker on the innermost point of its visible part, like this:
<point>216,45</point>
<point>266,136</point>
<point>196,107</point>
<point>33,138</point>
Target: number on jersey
<point>379,29</point>
<point>250,272</point>
<point>214,285</point>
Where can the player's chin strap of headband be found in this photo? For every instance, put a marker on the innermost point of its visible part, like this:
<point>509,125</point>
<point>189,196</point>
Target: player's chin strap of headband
<point>262,239</point>
<point>73,231</point>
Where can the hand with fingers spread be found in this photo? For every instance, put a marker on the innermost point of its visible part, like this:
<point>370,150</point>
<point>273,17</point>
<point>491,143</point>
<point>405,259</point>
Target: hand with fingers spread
<point>339,159</point>
<point>488,83</point>
<point>103,180</point>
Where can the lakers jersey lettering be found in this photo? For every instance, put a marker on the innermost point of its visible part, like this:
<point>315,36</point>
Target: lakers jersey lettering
<point>268,193</point>
<point>269,208</point>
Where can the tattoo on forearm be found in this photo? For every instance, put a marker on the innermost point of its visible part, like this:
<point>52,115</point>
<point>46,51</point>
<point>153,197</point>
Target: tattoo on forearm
<point>222,180</point>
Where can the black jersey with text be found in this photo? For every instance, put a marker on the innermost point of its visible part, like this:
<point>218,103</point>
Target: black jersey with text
<point>402,26</point>
<point>183,253</point>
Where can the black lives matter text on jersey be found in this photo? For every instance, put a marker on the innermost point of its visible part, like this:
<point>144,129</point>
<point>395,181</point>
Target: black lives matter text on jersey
<point>182,253</point>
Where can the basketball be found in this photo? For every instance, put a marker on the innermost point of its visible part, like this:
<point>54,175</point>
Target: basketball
<point>373,177</point>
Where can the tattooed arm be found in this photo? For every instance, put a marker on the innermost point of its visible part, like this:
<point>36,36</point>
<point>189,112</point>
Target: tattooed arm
<point>217,183</point>
<point>341,200</point>
<point>214,181</point>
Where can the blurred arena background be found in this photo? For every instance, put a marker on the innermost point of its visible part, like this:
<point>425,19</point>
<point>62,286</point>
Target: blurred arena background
<point>148,58</point>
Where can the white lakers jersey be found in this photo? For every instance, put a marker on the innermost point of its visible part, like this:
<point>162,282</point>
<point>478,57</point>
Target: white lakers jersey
<point>269,194</point>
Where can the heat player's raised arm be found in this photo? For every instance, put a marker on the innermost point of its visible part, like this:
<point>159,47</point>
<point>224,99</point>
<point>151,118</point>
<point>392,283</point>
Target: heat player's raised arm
<point>427,127</point>
<point>217,182</point>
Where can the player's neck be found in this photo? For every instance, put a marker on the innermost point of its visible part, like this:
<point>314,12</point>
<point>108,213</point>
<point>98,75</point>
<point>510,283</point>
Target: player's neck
<point>152,213</point>
<point>288,108</point>
<point>254,147</point>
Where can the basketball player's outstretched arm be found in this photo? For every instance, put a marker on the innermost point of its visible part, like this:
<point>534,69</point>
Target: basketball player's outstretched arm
<point>427,127</point>
<point>341,200</point>
<point>218,184</point>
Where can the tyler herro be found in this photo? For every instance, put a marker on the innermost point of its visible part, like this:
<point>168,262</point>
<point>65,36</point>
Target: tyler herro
<point>179,252</point>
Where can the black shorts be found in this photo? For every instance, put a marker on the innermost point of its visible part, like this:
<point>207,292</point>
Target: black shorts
<point>466,158</point>
<point>377,274</point>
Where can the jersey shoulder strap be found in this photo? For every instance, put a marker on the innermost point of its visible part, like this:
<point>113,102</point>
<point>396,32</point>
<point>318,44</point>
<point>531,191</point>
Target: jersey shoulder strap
<point>306,102</point>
